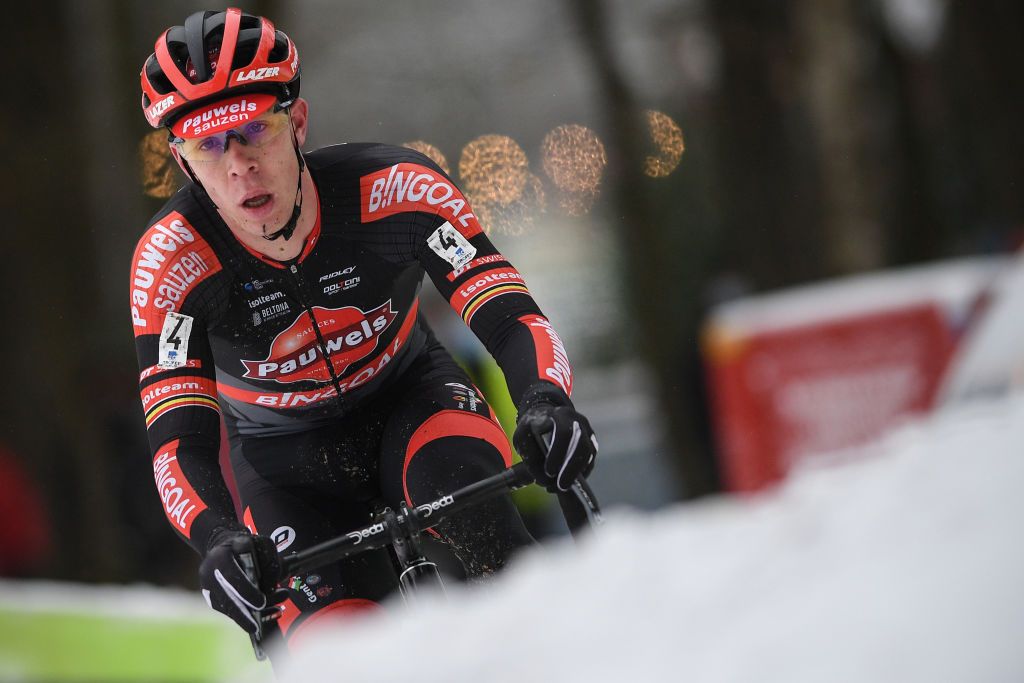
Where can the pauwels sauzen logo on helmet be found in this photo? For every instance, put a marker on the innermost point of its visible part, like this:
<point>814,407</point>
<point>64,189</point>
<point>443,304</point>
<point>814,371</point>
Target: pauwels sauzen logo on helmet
<point>349,334</point>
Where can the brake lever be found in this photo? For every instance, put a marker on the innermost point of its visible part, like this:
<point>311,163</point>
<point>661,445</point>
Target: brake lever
<point>251,569</point>
<point>579,505</point>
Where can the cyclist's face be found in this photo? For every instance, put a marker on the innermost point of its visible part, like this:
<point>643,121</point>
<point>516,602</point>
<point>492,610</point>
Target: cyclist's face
<point>253,185</point>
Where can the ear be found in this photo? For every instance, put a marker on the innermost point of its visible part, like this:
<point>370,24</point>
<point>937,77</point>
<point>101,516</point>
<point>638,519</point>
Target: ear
<point>299,111</point>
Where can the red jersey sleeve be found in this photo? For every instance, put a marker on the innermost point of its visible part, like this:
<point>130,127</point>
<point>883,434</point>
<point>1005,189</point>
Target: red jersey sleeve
<point>177,380</point>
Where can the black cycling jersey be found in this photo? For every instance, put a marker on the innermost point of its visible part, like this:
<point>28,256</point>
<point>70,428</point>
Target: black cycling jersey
<point>287,347</point>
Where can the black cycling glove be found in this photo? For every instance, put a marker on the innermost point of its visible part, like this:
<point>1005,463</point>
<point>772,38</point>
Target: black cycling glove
<point>555,441</point>
<point>227,587</point>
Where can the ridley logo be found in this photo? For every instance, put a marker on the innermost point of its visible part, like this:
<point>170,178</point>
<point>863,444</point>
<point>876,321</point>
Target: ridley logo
<point>349,333</point>
<point>257,74</point>
<point>337,273</point>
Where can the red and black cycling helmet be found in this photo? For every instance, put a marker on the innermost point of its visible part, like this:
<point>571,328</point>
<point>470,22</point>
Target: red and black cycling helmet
<point>213,56</point>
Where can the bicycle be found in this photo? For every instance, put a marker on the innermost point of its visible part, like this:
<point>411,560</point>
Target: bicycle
<point>401,532</point>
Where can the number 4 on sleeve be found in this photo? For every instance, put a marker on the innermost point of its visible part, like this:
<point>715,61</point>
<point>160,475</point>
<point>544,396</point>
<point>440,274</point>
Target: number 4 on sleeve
<point>174,340</point>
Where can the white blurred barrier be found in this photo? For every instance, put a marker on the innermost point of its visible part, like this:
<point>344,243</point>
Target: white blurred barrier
<point>990,361</point>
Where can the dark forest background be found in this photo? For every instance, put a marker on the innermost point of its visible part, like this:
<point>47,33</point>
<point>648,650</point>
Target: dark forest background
<point>823,137</point>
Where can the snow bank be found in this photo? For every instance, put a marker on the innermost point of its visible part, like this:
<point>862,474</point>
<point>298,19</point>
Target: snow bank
<point>900,562</point>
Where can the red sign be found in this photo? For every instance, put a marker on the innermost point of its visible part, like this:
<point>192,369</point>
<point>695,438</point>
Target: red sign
<point>782,394</point>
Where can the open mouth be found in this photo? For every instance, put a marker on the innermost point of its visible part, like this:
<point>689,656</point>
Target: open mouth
<point>256,202</point>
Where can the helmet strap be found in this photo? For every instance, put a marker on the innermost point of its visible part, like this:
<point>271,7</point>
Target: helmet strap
<point>192,176</point>
<point>289,228</point>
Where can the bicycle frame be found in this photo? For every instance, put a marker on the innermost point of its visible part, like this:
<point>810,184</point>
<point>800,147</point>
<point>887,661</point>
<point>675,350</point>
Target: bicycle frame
<point>401,530</point>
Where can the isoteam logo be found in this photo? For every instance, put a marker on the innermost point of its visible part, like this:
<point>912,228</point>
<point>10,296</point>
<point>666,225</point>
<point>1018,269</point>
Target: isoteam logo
<point>349,333</point>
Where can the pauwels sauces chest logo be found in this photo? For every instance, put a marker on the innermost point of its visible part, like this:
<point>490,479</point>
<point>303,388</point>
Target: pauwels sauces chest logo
<point>349,333</point>
<point>412,187</point>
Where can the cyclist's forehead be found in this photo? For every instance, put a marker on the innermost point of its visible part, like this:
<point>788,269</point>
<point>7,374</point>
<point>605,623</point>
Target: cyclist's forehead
<point>223,115</point>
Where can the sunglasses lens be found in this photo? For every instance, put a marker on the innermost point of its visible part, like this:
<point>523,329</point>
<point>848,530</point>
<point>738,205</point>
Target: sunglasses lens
<point>256,133</point>
<point>264,129</point>
<point>209,148</point>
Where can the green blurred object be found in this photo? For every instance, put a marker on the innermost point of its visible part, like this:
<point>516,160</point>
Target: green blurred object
<point>77,643</point>
<point>491,381</point>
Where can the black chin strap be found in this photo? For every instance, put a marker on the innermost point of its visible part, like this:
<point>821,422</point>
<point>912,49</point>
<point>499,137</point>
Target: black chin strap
<point>289,228</point>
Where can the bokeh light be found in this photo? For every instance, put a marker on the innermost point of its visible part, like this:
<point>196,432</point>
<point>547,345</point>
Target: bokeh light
<point>431,152</point>
<point>516,218</point>
<point>496,178</point>
<point>159,178</point>
<point>574,159</point>
<point>494,169</point>
<point>668,142</point>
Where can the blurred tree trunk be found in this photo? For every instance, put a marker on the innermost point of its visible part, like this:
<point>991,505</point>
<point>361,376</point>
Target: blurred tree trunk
<point>50,410</point>
<point>768,173</point>
<point>848,122</point>
<point>650,255</point>
<point>919,212</point>
<point>980,61</point>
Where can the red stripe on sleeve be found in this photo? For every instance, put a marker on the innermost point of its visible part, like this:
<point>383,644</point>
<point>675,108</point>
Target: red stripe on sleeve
<point>552,360</point>
<point>181,503</point>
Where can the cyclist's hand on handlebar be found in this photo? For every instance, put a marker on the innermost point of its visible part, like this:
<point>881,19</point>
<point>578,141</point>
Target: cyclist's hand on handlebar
<point>227,587</point>
<point>556,442</point>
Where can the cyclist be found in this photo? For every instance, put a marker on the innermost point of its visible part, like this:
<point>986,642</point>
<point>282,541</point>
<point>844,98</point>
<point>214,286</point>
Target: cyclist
<point>278,291</point>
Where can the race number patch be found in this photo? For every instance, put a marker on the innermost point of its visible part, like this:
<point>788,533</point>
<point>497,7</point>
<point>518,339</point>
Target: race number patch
<point>449,244</point>
<point>174,341</point>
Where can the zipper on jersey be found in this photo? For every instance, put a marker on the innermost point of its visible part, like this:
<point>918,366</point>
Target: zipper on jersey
<point>304,301</point>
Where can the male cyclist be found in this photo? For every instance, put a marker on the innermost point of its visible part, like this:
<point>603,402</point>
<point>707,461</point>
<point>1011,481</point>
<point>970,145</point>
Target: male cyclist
<point>278,290</point>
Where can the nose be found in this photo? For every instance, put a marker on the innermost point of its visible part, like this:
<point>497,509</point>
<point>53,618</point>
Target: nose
<point>238,156</point>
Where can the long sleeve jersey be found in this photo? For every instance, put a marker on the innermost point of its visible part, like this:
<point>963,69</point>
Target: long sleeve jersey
<point>283,347</point>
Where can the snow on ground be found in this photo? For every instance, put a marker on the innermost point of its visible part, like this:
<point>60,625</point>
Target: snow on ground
<point>899,562</point>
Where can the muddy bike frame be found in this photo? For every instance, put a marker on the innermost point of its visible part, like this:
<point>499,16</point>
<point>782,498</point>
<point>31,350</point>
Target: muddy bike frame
<point>400,531</point>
